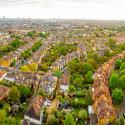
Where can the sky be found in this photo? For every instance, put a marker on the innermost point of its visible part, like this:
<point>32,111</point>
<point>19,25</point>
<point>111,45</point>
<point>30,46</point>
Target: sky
<point>66,9</point>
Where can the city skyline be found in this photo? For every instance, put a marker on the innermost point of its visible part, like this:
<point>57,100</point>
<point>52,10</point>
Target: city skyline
<point>66,9</point>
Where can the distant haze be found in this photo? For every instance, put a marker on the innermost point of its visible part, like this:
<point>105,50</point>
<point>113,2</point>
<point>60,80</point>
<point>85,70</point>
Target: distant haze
<point>71,9</point>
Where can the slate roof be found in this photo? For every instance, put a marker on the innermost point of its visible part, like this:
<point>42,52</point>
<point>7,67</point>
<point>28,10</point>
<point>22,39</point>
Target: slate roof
<point>102,105</point>
<point>34,109</point>
<point>4,91</point>
<point>64,80</point>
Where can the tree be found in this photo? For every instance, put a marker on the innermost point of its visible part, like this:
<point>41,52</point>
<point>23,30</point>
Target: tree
<point>113,81</point>
<point>24,91</point>
<point>78,81</point>
<point>89,77</point>
<point>36,46</point>
<point>122,66</point>
<point>117,96</point>
<point>42,34</point>
<point>69,120</point>
<point>12,121</point>
<point>6,107</point>
<point>42,92</point>
<point>31,34</point>
<point>16,43</point>
<point>118,63</point>
<point>14,94</point>
<point>44,67</point>
<point>33,67</point>
<point>13,63</point>
<point>83,114</point>
<point>84,68</point>
<point>122,72</point>
<point>26,54</point>
<point>71,88</point>
<point>107,52</point>
<point>57,73</point>
<point>24,68</point>
<point>52,120</point>
<point>2,115</point>
<point>88,98</point>
<point>112,43</point>
<point>73,66</point>
<point>122,82</point>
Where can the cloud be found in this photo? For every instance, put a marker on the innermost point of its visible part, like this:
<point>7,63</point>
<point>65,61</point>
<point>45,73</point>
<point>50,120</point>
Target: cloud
<point>53,3</point>
<point>4,3</point>
<point>91,9</point>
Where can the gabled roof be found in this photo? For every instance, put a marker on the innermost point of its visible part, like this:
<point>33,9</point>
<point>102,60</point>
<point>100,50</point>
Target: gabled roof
<point>4,91</point>
<point>34,109</point>
<point>64,80</point>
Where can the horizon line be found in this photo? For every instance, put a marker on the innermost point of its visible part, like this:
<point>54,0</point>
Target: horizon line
<point>31,18</point>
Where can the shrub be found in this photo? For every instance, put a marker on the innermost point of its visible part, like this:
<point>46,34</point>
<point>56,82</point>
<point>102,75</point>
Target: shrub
<point>122,72</point>
<point>118,63</point>
<point>117,96</point>
<point>84,68</point>
<point>14,94</point>
<point>122,66</point>
<point>89,77</point>
<point>69,120</point>
<point>122,82</point>
<point>113,81</point>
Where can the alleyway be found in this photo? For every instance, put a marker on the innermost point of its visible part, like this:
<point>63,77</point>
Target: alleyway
<point>52,108</point>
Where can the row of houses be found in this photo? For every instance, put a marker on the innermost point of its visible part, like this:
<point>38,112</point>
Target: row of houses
<point>48,84</point>
<point>47,81</point>
<point>34,115</point>
<point>64,60</point>
<point>40,53</point>
<point>16,55</point>
<point>24,78</point>
<point>102,102</point>
<point>35,111</point>
<point>4,36</point>
<point>4,43</point>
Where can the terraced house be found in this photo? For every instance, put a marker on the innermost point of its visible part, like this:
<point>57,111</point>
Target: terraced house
<point>40,53</point>
<point>64,81</point>
<point>48,83</point>
<point>64,60</point>
<point>25,78</point>
<point>4,92</point>
<point>16,55</point>
<point>102,105</point>
<point>34,113</point>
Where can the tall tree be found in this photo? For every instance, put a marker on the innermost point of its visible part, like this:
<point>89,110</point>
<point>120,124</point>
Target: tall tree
<point>117,96</point>
<point>113,81</point>
<point>14,94</point>
<point>69,120</point>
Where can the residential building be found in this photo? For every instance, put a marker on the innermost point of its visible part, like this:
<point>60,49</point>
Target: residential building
<point>64,81</point>
<point>2,74</point>
<point>25,78</point>
<point>48,83</point>
<point>4,92</point>
<point>92,115</point>
<point>34,113</point>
